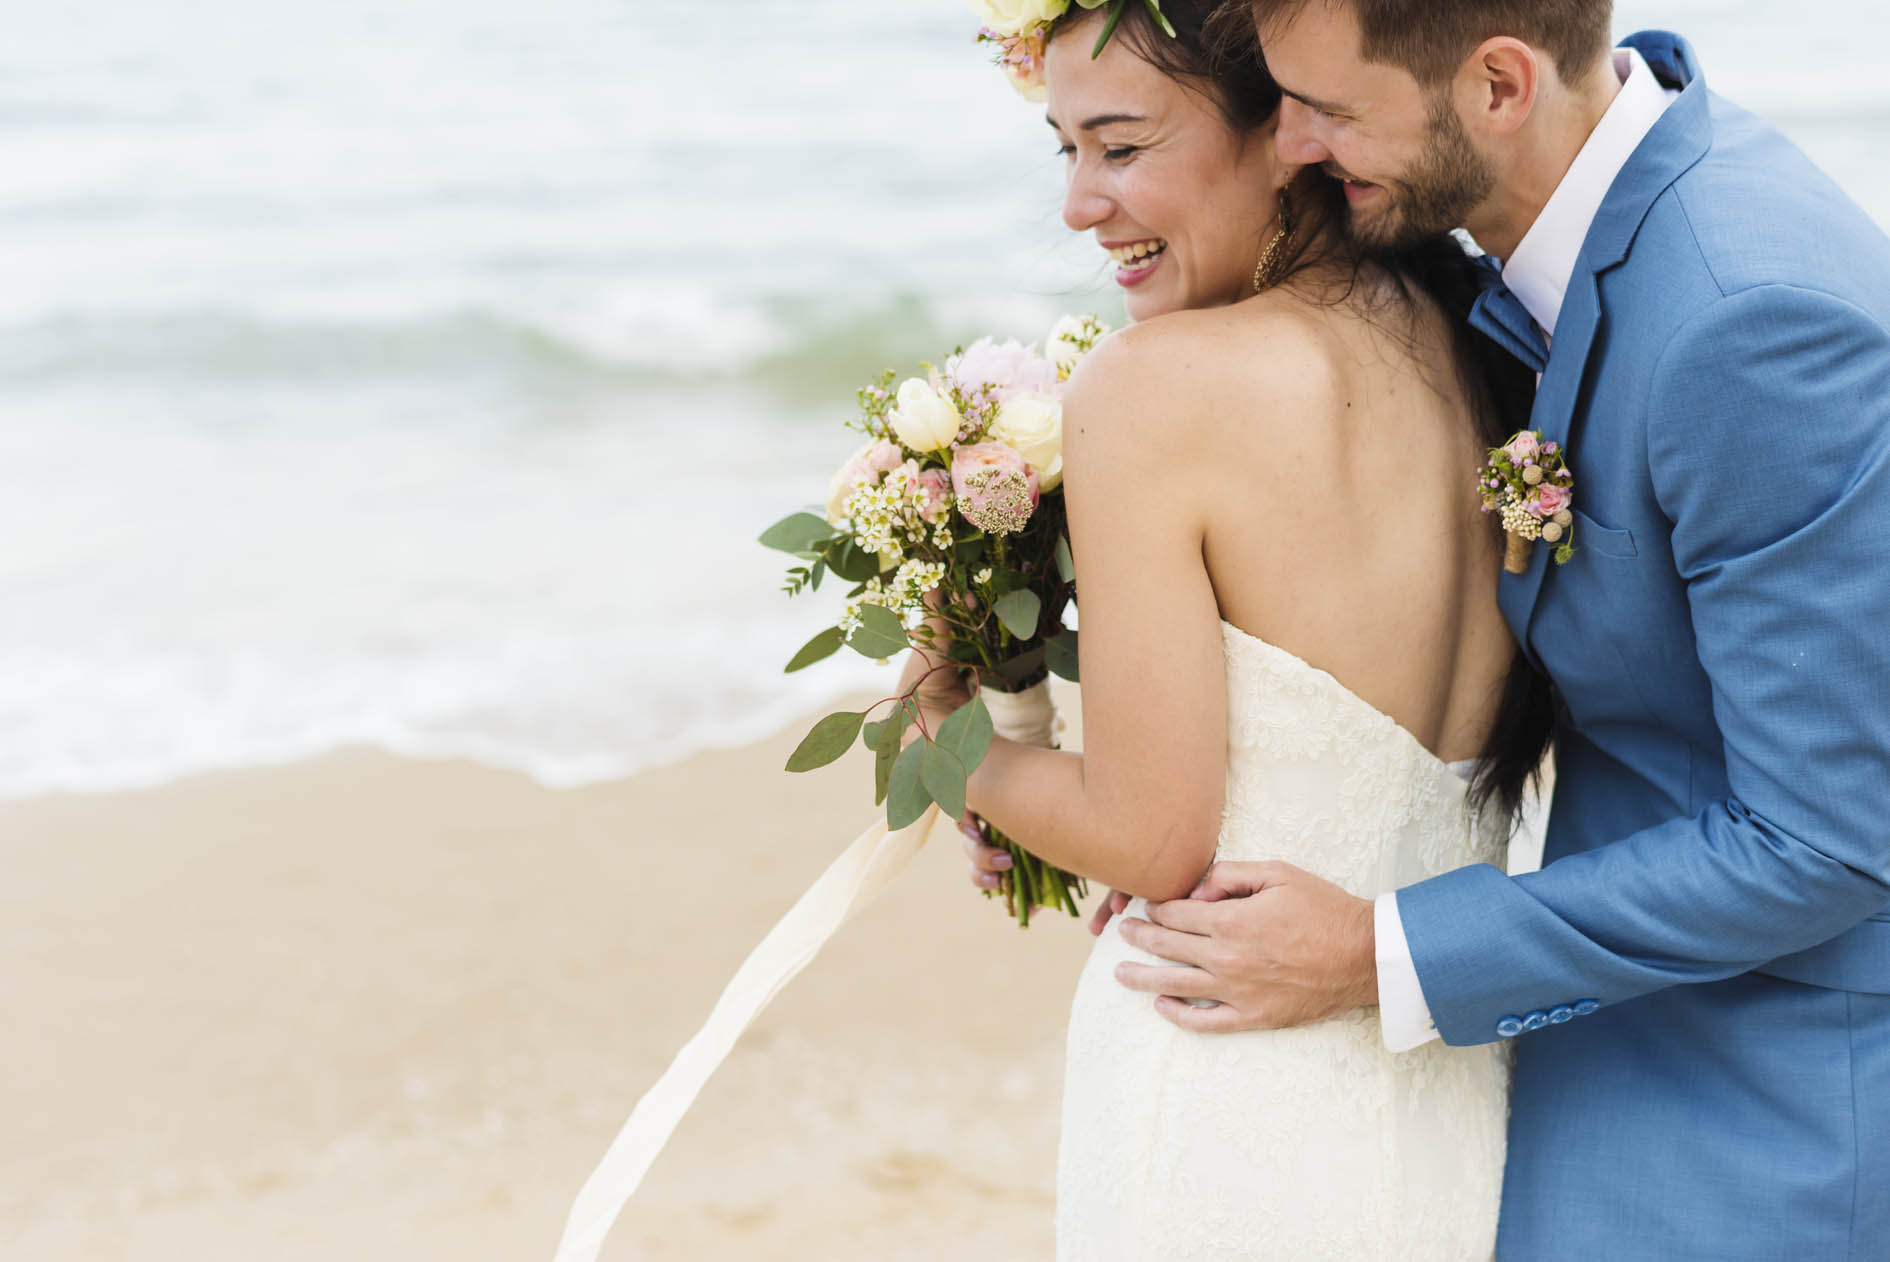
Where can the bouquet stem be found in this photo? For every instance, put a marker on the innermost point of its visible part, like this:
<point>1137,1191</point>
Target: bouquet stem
<point>1516,554</point>
<point>1031,883</point>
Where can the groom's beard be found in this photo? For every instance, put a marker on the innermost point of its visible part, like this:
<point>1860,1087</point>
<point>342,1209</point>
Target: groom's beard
<point>1448,181</point>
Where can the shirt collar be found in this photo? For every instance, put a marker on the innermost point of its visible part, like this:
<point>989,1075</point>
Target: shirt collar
<point>1539,271</point>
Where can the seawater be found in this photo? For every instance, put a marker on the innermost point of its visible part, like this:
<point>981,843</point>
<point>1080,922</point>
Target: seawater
<point>419,374</point>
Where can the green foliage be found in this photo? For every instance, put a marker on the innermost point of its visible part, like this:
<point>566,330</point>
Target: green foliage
<point>883,740</point>
<point>801,534</point>
<point>852,562</point>
<point>1059,654</point>
<point>1023,670</point>
<point>1066,564</point>
<point>1019,613</point>
<point>967,734</point>
<point>824,645</point>
<point>943,777</point>
<point>879,635</point>
<point>831,737</point>
<point>906,798</point>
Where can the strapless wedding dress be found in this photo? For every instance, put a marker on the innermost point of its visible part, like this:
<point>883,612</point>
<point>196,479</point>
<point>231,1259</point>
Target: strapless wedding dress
<point>1303,1144</point>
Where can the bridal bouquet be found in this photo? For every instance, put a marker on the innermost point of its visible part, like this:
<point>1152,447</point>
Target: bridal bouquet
<point>948,522</point>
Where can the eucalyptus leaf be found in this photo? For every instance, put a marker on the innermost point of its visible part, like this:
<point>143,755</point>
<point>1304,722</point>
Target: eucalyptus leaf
<point>906,798</point>
<point>852,562</point>
<point>802,534</point>
<point>879,635</point>
<point>824,645</point>
<point>1066,564</point>
<point>1019,612</point>
<point>967,734</point>
<point>1059,654</point>
<point>831,737</point>
<point>1023,670</point>
<point>943,777</point>
<point>886,751</point>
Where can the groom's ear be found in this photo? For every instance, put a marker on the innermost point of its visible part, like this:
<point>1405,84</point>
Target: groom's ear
<point>1496,87</point>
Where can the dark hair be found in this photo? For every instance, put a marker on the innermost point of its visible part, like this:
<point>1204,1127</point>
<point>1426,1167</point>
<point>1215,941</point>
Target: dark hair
<point>1199,54</point>
<point>1215,50</point>
<point>1431,39</point>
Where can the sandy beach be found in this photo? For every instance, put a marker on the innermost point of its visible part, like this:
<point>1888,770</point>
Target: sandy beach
<point>378,1008</point>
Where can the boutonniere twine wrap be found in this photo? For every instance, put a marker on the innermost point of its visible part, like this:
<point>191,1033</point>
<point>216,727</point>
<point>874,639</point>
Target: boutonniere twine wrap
<point>1528,482</point>
<point>1018,30</point>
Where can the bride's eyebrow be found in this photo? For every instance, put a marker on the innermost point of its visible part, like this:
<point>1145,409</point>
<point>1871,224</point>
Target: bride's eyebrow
<point>1101,120</point>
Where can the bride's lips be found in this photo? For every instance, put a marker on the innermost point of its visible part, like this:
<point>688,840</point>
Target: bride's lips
<point>1136,261</point>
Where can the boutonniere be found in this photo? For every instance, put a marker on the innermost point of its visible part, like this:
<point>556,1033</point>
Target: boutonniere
<point>1528,482</point>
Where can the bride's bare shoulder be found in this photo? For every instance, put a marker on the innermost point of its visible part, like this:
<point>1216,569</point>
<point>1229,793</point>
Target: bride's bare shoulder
<point>1198,373</point>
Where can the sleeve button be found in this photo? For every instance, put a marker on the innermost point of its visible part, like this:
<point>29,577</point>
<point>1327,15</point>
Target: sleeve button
<point>1509,1027</point>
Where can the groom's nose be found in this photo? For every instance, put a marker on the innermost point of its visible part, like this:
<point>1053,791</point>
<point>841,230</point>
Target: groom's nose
<point>1295,139</point>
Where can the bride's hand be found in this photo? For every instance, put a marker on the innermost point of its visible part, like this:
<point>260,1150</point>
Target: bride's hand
<point>1108,910</point>
<point>938,687</point>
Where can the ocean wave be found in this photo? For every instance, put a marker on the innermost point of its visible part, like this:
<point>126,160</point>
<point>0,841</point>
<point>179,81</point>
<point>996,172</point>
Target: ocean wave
<point>785,344</point>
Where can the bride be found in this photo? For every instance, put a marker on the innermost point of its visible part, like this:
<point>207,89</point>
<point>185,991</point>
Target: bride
<point>1291,650</point>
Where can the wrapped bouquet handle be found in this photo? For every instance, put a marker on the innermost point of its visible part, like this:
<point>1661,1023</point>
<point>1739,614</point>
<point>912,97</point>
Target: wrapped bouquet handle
<point>851,882</point>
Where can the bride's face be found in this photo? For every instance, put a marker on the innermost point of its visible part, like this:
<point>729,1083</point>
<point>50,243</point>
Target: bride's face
<point>1181,201</point>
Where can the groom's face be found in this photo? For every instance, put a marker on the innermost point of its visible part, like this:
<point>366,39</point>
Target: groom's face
<point>1409,168</point>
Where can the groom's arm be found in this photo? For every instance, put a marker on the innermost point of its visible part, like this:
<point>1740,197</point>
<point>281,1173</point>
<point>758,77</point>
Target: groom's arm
<point>1769,446</point>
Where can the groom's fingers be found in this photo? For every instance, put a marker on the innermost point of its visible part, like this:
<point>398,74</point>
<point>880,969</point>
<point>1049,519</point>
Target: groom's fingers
<point>1222,1020</point>
<point>1167,979</point>
<point>1185,915</point>
<point>1182,948</point>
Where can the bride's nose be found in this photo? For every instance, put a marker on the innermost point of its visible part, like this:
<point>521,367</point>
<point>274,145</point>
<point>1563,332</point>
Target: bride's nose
<point>1083,206</point>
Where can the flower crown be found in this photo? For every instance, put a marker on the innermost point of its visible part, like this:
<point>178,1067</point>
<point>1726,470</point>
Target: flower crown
<point>1018,29</point>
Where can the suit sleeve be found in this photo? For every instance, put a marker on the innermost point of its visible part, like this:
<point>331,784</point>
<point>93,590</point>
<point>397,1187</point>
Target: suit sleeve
<point>1769,445</point>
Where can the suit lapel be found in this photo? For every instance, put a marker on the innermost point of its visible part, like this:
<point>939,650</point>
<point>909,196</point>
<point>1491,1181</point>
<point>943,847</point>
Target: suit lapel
<point>1679,140</point>
<point>1554,415</point>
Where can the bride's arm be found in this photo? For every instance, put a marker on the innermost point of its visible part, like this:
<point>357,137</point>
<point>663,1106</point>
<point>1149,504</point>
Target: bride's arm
<point>1139,808</point>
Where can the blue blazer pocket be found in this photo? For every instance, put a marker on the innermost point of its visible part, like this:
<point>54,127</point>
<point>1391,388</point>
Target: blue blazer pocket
<point>1606,540</point>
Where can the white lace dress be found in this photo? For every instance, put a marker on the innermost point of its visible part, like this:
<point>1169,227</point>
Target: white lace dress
<point>1299,1144</point>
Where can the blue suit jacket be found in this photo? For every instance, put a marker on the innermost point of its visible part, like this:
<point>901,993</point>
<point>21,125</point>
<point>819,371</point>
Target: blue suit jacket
<point>1697,974</point>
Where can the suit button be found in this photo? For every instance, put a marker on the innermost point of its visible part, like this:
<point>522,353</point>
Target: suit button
<point>1586,1006</point>
<point>1535,1020</point>
<point>1560,1013</point>
<point>1509,1027</point>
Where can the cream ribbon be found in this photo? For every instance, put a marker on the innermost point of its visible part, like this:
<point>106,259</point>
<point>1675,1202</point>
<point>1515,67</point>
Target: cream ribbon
<point>849,884</point>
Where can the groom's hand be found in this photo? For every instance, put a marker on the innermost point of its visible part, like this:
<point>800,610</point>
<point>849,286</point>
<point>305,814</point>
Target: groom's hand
<point>1275,946</point>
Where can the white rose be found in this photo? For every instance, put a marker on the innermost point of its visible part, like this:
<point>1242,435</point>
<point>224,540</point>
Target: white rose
<point>1064,347</point>
<point>924,419</point>
<point>1008,17</point>
<point>1032,426</point>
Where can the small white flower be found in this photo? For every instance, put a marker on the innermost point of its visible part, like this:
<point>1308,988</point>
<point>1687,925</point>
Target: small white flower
<point>982,576</point>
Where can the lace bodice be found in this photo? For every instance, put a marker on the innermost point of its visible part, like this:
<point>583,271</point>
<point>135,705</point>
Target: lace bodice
<point>1306,1143</point>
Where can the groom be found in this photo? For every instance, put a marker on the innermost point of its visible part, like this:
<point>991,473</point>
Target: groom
<point>1698,981</point>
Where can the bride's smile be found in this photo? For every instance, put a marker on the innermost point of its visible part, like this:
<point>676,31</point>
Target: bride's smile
<point>1162,176</point>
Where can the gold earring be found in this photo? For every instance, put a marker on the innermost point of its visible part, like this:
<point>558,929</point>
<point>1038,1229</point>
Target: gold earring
<point>1272,266</point>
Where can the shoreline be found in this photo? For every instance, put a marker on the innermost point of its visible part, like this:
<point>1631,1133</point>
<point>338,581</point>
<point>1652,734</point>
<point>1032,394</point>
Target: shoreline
<point>363,1005</point>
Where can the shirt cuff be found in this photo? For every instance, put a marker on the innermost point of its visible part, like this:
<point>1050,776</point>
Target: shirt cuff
<point>1404,1018</point>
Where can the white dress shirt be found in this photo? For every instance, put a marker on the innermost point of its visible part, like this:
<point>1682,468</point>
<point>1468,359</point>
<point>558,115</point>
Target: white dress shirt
<point>1538,274</point>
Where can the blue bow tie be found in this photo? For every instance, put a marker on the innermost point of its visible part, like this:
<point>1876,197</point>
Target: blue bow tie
<point>1500,315</point>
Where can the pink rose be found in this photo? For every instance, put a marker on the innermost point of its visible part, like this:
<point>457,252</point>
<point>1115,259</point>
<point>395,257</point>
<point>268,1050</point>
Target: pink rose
<point>852,475</point>
<point>995,486</point>
<point>884,457</point>
<point>937,485</point>
<point>1525,446</point>
<point>1006,369</point>
<point>1550,500</point>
